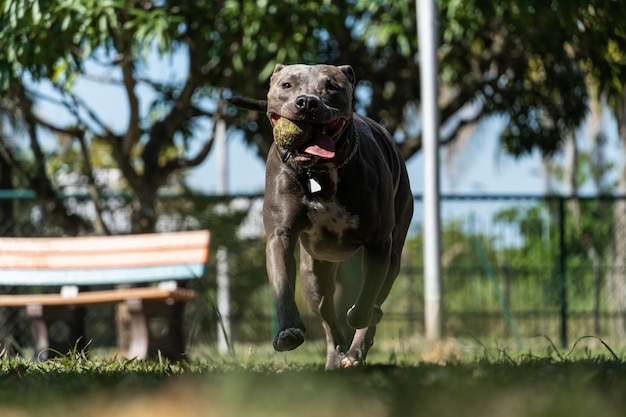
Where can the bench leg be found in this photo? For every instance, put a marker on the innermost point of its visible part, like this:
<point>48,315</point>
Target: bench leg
<point>138,330</point>
<point>156,329</point>
<point>39,330</point>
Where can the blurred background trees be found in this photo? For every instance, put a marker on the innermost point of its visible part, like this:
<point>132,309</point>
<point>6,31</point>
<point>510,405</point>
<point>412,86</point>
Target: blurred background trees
<point>163,67</point>
<point>539,64</point>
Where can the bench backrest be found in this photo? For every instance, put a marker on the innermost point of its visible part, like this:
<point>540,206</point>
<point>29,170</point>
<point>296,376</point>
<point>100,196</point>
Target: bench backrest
<point>103,260</point>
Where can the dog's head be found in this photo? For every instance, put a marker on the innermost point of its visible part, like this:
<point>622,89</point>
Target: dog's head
<point>319,99</point>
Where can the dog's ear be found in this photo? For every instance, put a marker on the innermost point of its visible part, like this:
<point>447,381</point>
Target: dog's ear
<point>278,67</point>
<point>349,72</point>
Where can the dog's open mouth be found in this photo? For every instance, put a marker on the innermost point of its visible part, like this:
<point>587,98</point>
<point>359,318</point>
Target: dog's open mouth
<point>321,142</point>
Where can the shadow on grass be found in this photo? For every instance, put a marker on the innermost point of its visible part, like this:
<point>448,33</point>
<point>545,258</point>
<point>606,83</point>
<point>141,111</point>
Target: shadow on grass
<point>579,382</point>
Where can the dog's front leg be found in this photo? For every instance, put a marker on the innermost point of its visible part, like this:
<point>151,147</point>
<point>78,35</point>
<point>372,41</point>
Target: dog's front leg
<point>281,271</point>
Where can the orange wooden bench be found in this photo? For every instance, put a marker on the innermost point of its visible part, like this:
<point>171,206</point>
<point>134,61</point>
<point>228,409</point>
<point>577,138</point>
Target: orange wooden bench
<point>140,270</point>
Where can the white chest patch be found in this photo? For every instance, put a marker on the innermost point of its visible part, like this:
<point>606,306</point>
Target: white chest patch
<point>330,217</point>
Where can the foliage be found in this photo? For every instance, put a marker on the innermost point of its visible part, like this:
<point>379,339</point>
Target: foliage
<point>587,253</point>
<point>246,254</point>
<point>529,60</point>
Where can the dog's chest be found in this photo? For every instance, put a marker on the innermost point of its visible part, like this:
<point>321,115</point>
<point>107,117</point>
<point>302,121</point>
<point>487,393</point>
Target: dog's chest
<point>328,235</point>
<point>328,218</point>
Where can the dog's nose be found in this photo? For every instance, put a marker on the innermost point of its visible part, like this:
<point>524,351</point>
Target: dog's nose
<point>307,103</point>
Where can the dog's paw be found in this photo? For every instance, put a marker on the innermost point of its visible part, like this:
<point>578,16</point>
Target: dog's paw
<point>334,358</point>
<point>349,361</point>
<point>288,339</point>
<point>341,359</point>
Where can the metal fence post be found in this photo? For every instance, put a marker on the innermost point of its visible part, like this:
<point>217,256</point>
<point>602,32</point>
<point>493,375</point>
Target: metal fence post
<point>427,33</point>
<point>562,271</point>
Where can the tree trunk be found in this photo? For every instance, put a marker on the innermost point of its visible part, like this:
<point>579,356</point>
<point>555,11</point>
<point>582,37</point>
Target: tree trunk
<point>7,223</point>
<point>144,216</point>
<point>143,220</point>
<point>571,175</point>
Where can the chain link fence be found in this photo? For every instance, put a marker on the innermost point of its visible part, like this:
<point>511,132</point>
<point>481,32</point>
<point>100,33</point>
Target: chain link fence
<point>514,268</point>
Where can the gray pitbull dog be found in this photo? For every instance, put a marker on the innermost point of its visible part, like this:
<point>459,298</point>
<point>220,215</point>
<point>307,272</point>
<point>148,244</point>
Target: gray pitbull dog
<point>347,188</point>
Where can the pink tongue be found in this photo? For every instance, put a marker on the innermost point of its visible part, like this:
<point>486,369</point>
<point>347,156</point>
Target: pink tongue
<point>324,147</point>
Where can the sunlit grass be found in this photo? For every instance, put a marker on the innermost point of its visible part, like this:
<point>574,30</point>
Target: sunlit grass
<point>454,378</point>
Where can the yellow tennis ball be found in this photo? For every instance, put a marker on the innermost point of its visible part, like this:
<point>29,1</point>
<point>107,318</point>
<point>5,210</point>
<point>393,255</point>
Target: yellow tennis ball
<point>289,134</point>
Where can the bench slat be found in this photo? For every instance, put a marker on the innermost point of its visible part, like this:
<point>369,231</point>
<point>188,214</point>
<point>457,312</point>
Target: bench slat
<point>94,260</point>
<point>105,251</point>
<point>109,276</point>
<point>97,297</point>
<point>114,243</point>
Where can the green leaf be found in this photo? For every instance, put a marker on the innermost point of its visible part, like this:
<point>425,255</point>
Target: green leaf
<point>58,71</point>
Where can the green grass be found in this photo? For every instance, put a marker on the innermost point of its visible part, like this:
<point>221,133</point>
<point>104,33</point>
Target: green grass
<point>256,382</point>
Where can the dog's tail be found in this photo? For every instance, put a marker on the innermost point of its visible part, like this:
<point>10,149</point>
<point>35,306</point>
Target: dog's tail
<point>249,103</point>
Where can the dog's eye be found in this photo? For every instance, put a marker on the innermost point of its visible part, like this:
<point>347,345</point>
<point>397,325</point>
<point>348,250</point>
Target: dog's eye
<point>332,85</point>
<point>286,85</point>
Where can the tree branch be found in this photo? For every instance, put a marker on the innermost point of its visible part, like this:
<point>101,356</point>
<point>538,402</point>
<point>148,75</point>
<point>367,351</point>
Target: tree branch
<point>99,224</point>
<point>249,103</point>
<point>134,131</point>
<point>162,132</point>
<point>74,104</point>
<point>40,182</point>
<point>72,131</point>
<point>180,163</point>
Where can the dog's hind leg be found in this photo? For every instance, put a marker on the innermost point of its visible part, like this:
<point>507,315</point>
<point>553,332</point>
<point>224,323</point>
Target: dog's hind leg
<point>376,267</point>
<point>318,282</point>
<point>364,338</point>
<point>362,342</point>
